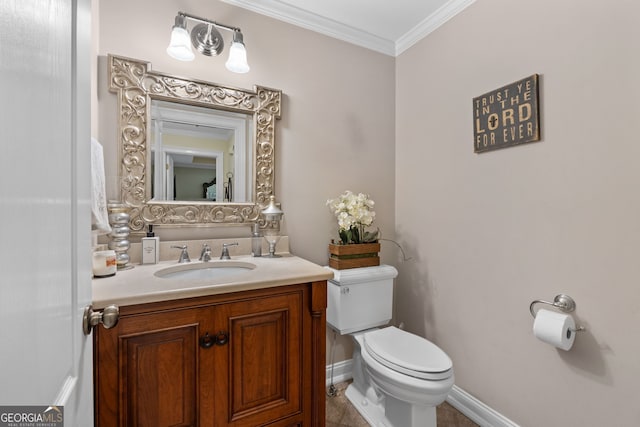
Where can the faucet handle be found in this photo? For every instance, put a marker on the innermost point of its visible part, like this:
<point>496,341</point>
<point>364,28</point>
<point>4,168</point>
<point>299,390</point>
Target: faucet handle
<point>225,250</point>
<point>184,255</point>
<point>205,255</point>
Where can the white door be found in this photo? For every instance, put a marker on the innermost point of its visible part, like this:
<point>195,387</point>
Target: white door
<point>45,267</point>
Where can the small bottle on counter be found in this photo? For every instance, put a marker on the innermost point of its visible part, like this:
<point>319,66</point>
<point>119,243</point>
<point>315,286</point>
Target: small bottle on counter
<point>256,241</point>
<point>150,247</point>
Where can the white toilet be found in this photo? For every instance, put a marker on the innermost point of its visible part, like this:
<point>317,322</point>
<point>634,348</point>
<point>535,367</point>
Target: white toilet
<point>398,377</point>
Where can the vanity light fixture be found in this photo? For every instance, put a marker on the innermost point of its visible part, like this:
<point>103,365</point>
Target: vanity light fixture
<point>207,40</point>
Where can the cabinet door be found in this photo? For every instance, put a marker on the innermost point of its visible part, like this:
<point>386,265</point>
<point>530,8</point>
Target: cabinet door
<point>264,361</point>
<point>147,370</point>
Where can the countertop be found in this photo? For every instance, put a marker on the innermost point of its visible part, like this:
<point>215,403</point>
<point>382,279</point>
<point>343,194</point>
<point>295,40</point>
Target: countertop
<point>139,285</point>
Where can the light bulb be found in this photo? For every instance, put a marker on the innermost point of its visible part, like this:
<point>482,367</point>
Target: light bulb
<point>237,61</point>
<point>180,45</point>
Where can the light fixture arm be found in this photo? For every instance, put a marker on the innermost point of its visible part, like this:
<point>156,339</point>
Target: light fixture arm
<point>207,21</point>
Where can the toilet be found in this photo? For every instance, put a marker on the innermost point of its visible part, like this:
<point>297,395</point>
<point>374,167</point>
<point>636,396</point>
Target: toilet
<point>398,377</point>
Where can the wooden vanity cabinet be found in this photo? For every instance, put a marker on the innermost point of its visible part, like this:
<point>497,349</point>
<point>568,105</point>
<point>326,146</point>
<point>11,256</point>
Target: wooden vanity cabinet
<point>245,359</point>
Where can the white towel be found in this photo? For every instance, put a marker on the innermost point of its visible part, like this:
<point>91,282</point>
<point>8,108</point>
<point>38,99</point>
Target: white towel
<point>99,215</point>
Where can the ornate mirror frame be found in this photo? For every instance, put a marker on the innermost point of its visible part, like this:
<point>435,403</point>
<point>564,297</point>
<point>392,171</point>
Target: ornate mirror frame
<point>136,85</point>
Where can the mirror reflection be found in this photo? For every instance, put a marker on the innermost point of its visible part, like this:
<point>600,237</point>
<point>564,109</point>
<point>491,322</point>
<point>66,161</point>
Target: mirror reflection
<point>199,154</point>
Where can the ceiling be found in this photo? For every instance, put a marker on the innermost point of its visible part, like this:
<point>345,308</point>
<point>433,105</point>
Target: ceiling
<point>386,26</point>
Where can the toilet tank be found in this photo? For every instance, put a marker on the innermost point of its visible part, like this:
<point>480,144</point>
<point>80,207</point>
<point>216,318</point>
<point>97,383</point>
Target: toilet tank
<point>360,298</point>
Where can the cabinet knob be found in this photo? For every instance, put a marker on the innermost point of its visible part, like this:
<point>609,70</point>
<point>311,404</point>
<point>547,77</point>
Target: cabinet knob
<point>222,338</point>
<point>206,341</point>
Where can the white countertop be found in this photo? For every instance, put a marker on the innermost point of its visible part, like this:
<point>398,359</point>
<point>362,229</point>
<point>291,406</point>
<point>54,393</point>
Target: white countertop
<point>139,285</point>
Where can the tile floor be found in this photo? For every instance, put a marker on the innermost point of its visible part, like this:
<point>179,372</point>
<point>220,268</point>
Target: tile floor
<point>340,413</point>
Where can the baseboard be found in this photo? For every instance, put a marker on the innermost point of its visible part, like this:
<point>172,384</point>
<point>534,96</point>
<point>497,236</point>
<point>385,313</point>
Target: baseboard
<point>471,407</point>
<point>341,372</point>
<point>477,411</point>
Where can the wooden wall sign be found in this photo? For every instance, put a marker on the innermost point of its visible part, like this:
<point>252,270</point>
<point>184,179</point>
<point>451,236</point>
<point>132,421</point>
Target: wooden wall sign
<point>507,116</point>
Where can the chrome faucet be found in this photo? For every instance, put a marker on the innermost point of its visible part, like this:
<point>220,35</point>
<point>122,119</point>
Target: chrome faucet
<point>205,255</point>
<point>184,255</point>
<point>225,250</point>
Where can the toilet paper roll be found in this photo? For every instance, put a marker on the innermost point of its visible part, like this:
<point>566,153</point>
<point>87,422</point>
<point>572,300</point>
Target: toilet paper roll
<point>555,328</point>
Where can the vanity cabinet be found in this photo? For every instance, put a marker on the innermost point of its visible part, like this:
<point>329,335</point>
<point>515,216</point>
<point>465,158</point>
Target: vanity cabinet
<point>244,359</point>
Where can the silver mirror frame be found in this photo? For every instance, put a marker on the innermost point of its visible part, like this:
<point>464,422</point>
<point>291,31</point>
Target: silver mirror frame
<point>136,85</point>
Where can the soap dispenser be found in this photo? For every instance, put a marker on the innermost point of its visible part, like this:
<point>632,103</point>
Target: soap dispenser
<point>150,247</point>
<point>256,241</point>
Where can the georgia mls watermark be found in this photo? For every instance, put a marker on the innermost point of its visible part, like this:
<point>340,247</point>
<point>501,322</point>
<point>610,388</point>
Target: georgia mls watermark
<point>31,416</point>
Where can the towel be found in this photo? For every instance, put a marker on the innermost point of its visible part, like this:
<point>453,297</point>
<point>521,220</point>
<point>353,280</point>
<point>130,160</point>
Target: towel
<point>99,215</point>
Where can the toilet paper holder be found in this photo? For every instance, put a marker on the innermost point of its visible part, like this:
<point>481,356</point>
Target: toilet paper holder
<point>562,302</point>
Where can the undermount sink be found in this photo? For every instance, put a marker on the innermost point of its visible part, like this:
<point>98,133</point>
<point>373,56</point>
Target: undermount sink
<point>205,270</point>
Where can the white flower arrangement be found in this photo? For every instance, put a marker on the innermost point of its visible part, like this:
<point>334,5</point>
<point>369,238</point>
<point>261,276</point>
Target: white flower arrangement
<point>354,212</point>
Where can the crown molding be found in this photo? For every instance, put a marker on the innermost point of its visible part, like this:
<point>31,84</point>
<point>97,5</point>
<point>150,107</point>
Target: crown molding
<point>431,23</point>
<point>302,18</point>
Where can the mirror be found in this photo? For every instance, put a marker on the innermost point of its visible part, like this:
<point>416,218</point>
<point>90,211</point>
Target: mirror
<point>199,154</point>
<point>192,152</point>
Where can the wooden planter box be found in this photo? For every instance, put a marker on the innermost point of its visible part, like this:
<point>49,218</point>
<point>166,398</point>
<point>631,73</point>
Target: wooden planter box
<point>342,257</point>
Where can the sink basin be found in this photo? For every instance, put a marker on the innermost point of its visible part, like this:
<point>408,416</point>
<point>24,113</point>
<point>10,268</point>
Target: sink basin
<point>205,270</point>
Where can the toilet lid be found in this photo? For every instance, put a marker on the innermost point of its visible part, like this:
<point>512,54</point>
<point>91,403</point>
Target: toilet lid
<point>407,353</point>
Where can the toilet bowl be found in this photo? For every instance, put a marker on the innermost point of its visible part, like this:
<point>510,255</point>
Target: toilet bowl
<point>407,366</point>
<point>390,389</point>
<point>398,377</point>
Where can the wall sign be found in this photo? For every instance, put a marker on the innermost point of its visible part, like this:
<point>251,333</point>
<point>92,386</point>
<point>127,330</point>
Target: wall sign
<point>507,116</point>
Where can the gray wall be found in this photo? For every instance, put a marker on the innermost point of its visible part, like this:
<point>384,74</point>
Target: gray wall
<point>494,231</point>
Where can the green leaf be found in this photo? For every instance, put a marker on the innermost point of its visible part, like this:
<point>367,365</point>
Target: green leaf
<point>355,234</point>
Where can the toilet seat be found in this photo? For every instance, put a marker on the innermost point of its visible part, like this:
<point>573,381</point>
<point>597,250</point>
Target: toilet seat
<point>408,354</point>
